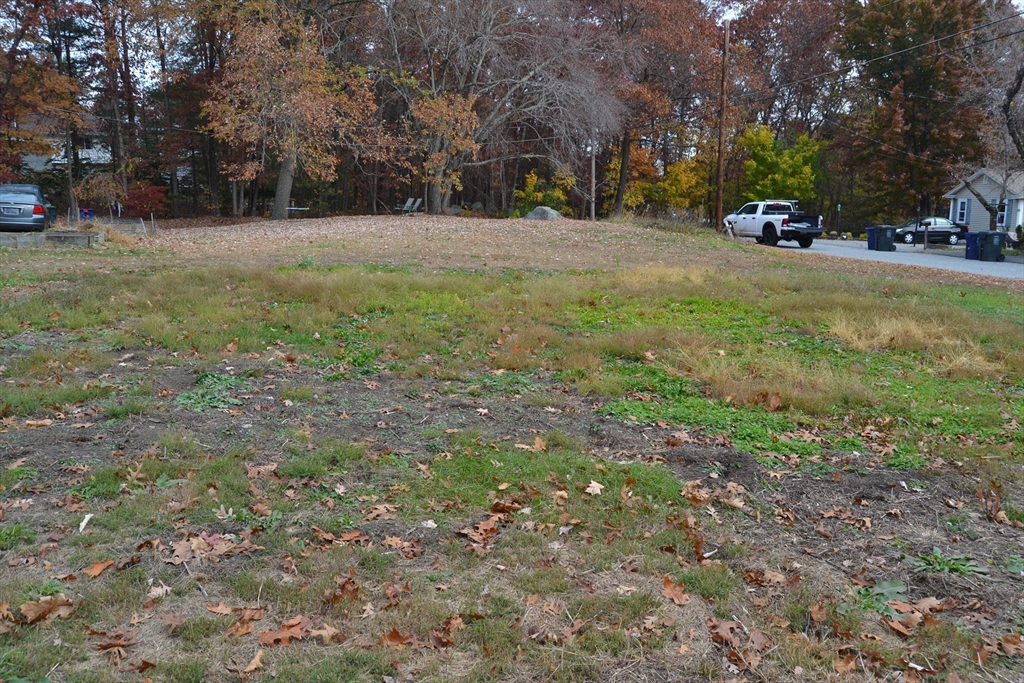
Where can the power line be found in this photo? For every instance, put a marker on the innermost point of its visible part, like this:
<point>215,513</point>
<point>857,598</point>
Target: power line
<point>766,93</point>
<point>933,41</point>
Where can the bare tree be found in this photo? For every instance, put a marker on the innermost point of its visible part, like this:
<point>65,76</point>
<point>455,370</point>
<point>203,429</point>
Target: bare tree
<point>997,67</point>
<point>526,70</point>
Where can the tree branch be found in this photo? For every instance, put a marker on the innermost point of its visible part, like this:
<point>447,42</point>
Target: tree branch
<point>1013,125</point>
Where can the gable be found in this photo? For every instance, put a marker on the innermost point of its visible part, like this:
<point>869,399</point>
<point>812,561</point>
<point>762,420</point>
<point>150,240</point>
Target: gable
<point>989,184</point>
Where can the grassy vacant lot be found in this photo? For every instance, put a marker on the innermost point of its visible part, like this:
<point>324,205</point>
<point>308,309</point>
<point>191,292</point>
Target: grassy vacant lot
<point>781,471</point>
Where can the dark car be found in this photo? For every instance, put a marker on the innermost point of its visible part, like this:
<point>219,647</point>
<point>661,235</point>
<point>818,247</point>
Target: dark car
<point>22,212</point>
<point>940,231</point>
<point>51,210</point>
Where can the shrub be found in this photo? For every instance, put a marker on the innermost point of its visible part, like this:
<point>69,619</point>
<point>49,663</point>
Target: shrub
<point>145,198</point>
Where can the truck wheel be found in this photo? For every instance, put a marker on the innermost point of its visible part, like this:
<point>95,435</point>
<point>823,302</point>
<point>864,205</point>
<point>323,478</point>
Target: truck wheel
<point>769,236</point>
<point>805,242</point>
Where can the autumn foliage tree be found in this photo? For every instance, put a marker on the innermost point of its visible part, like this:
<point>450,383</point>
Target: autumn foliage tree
<point>33,93</point>
<point>916,121</point>
<point>776,170</point>
<point>280,97</point>
<point>444,128</point>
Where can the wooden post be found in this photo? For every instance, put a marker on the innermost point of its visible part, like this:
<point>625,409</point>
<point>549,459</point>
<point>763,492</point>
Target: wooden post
<point>593,181</point>
<point>720,189</point>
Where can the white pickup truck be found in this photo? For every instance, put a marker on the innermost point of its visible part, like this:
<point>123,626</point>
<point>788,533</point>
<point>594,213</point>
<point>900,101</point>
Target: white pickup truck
<point>773,220</point>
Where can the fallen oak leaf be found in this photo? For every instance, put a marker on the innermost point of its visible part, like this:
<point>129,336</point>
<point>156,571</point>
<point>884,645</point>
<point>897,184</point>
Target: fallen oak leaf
<point>98,568</point>
<point>844,665</point>
<point>438,640</point>
<point>327,633</point>
<point>157,592</point>
<point>47,607</point>
<point>115,647</point>
<point>896,626</point>
<point>219,608</point>
<point>172,621</point>
<point>723,632</point>
<point>594,488</point>
<point>143,666</point>
<point>297,627</point>
<point>394,638</point>
<point>244,626</point>
<point>675,592</point>
<point>256,663</point>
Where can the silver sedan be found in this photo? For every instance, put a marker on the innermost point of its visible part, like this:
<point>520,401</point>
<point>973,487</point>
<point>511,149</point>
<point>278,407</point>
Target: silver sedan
<point>21,212</point>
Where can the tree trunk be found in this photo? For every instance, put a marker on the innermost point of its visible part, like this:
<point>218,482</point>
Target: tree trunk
<point>1014,126</point>
<point>993,209</point>
<point>434,198</point>
<point>926,204</point>
<point>283,194</point>
<point>213,175</point>
<point>173,169</point>
<point>620,193</point>
<point>195,181</point>
<point>69,152</point>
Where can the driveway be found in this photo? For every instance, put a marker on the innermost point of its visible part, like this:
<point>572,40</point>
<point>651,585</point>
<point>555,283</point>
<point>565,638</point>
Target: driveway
<point>946,258</point>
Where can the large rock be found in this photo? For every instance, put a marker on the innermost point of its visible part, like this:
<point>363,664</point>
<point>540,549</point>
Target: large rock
<point>543,213</point>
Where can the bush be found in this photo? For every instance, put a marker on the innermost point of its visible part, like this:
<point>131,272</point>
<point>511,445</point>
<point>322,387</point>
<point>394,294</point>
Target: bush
<point>145,198</point>
<point>538,192</point>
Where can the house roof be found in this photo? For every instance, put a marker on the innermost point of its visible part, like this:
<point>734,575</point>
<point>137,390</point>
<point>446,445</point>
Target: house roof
<point>1014,184</point>
<point>49,125</point>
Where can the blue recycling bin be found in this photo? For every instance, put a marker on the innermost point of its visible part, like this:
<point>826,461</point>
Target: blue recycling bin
<point>973,246</point>
<point>871,239</point>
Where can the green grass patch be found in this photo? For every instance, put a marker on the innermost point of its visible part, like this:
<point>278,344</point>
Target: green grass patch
<point>103,483</point>
<point>213,392</point>
<point>13,535</point>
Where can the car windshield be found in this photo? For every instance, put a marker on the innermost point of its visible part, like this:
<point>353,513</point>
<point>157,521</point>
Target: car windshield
<point>908,224</point>
<point>17,198</point>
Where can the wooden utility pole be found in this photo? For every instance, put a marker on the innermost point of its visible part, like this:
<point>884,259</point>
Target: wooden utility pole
<point>593,180</point>
<point>719,216</point>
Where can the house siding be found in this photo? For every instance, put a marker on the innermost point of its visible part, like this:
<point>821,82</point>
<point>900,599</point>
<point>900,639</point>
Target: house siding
<point>979,217</point>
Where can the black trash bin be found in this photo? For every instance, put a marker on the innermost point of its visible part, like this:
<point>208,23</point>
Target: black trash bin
<point>991,245</point>
<point>973,246</point>
<point>885,237</point>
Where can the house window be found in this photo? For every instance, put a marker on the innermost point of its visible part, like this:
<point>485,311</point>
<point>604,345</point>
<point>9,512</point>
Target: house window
<point>961,214</point>
<point>1001,217</point>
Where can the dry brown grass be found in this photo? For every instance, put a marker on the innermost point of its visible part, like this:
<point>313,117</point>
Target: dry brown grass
<point>965,361</point>
<point>635,344</point>
<point>815,390</point>
<point>109,234</point>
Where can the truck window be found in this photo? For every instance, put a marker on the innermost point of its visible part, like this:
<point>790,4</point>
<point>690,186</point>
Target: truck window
<point>777,208</point>
<point>748,210</point>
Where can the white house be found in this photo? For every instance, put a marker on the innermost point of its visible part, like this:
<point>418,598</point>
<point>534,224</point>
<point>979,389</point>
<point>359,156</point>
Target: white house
<point>87,143</point>
<point>964,207</point>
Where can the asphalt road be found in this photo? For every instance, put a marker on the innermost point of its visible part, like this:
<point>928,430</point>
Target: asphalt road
<point>946,258</point>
